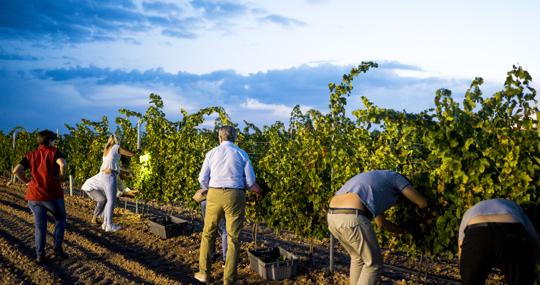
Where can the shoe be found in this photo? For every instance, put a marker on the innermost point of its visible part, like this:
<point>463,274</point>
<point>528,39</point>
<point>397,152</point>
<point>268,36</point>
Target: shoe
<point>40,259</point>
<point>103,226</point>
<point>201,277</point>
<point>59,253</point>
<point>112,228</point>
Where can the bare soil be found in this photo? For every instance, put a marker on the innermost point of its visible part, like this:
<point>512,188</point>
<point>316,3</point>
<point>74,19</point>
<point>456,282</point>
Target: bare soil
<point>134,255</point>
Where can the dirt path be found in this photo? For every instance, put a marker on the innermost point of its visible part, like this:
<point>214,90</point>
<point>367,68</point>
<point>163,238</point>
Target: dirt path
<point>96,257</point>
<point>130,256</point>
<point>133,255</point>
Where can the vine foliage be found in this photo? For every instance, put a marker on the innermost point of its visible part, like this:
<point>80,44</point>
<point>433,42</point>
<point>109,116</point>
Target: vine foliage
<point>456,154</point>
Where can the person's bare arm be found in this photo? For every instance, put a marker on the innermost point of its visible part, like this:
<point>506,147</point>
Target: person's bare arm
<point>63,165</point>
<point>387,225</point>
<point>125,151</point>
<point>19,173</point>
<point>415,197</point>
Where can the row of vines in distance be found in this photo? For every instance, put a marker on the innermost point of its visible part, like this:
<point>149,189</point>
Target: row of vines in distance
<point>455,154</point>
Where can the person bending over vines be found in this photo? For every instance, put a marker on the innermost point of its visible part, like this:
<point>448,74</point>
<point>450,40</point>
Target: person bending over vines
<point>498,233</point>
<point>361,199</point>
<point>95,189</point>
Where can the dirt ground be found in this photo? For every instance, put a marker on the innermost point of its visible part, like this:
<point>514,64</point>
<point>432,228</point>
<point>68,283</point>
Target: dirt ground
<point>134,255</point>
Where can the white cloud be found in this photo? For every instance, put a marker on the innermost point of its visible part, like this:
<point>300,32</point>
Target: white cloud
<point>278,111</point>
<point>115,95</point>
<point>422,74</point>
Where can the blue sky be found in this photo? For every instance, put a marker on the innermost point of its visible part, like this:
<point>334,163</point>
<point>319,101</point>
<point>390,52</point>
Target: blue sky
<point>61,61</point>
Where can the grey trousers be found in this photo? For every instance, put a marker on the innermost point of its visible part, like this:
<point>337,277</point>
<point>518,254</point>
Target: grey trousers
<point>101,200</point>
<point>356,234</point>
<point>110,192</point>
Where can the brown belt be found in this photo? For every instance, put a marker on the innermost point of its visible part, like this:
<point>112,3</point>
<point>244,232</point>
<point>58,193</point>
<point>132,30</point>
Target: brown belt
<point>109,171</point>
<point>227,188</point>
<point>360,212</point>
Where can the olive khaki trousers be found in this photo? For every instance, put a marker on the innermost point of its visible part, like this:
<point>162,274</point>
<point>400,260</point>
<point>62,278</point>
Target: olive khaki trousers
<point>356,234</point>
<point>219,202</point>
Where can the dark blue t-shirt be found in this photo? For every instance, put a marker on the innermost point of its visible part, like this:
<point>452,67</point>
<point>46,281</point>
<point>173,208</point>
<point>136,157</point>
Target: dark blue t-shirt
<point>378,189</point>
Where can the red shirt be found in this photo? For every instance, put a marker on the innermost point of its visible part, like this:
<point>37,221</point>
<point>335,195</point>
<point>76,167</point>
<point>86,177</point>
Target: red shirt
<point>44,185</point>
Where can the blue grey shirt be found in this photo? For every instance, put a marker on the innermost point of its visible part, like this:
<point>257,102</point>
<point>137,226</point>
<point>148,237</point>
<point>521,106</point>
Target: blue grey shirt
<point>378,189</point>
<point>498,207</point>
<point>227,166</point>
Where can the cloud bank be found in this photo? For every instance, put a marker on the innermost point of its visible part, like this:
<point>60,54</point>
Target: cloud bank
<point>51,97</point>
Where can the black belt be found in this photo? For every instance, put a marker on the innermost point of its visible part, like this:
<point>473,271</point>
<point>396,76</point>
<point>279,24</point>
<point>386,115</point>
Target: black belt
<point>360,212</point>
<point>226,188</point>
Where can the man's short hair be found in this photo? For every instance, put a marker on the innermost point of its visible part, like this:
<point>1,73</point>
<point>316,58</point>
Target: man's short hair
<point>227,133</point>
<point>46,137</point>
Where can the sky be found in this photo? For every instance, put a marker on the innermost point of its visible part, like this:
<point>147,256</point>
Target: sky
<point>61,61</point>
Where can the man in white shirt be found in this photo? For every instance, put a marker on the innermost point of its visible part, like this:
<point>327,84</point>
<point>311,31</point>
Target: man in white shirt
<point>226,173</point>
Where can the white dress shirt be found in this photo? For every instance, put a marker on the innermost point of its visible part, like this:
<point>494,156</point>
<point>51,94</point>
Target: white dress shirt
<point>227,166</point>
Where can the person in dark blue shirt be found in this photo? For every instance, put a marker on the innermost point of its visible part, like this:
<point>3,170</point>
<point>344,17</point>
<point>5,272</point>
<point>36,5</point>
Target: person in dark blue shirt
<point>362,198</point>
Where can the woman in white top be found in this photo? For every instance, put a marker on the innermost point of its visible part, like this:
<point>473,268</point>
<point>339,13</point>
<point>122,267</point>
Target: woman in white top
<point>109,168</point>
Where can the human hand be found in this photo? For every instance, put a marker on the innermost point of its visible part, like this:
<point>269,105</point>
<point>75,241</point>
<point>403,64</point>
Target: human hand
<point>416,232</point>
<point>255,188</point>
<point>200,195</point>
<point>427,214</point>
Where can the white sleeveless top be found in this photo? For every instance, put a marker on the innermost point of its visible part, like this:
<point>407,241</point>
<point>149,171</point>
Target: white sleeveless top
<point>110,161</point>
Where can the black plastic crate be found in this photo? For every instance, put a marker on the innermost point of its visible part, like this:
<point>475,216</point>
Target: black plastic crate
<point>167,226</point>
<point>273,263</point>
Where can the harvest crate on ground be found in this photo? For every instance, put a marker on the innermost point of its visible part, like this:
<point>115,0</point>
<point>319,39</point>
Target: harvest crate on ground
<point>168,226</point>
<point>273,263</point>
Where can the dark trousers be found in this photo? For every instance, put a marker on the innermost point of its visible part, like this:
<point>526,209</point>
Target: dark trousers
<point>40,209</point>
<point>501,245</point>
